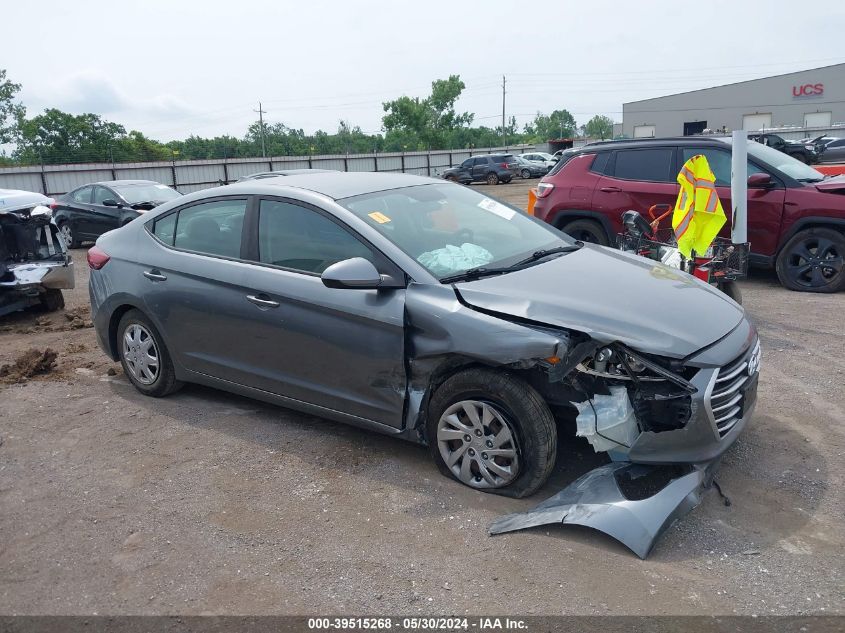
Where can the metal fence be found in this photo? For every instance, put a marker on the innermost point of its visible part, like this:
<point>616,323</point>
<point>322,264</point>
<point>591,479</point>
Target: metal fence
<point>192,175</point>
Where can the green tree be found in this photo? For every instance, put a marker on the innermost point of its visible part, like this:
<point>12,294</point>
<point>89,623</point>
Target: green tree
<point>11,112</point>
<point>427,122</point>
<point>59,137</point>
<point>599,127</point>
<point>558,124</point>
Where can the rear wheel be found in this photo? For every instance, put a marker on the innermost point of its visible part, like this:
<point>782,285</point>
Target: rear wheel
<point>493,432</point>
<point>586,231</point>
<point>813,261</point>
<point>66,232</point>
<point>492,179</point>
<point>145,359</point>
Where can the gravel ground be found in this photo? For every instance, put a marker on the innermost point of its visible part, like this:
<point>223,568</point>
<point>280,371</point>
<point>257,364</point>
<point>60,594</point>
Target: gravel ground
<point>204,502</point>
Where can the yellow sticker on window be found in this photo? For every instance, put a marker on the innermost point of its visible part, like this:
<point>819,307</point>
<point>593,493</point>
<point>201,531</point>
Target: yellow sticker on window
<point>379,217</point>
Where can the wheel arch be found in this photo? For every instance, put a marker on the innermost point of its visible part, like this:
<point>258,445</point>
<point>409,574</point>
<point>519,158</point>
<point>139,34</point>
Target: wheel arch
<point>811,222</point>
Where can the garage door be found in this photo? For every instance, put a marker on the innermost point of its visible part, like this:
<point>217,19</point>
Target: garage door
<point>752,122</point>
<point>644,131</point>
<point>817,119</point>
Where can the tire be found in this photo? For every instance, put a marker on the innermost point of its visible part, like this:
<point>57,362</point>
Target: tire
<point>813,260</point>
<point>508,404</point>
<point>526,174</point>
<point>586,231</point>
<point>52,300</point>
<point>161,382</point>
<point>452,178</point>
<point>492,179</point>
<point>731,288</point>
<point>66,231</point>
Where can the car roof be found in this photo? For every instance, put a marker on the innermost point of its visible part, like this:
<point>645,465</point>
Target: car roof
<point>119,183</point>
<point>288,172</point>
<point>679,141</point>
<point>334,184</point>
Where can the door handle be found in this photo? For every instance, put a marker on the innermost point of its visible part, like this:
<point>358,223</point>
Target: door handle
<point>610,189</point>
<point>261,302</point>
<point>155,275</point>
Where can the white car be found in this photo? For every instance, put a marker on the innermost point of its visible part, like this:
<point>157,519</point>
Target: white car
<point>543,158</point>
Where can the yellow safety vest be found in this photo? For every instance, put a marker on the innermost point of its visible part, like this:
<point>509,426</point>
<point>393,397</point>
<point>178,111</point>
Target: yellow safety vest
<point>698,214</point>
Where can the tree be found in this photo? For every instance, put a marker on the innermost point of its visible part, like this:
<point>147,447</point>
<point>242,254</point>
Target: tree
<point>559,124</point>
<point>11,112</point>
<point>429,122</point>
<point>59,137</point>
<point>599,127</point>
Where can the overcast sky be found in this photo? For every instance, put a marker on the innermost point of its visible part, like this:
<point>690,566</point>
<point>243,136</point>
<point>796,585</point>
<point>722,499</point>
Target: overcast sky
<point>179,67</point>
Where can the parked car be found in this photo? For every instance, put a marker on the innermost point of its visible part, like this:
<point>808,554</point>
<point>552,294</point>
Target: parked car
<point>34,263</point>
<point>805,152</point>
<point>796,216</point>
<point>285,172</point>
<point>530,169</point>
<point>491,168</point>
<point>427,311</point>
<point>540,157</point>
<point>89,211</point>
<point>833,151</point>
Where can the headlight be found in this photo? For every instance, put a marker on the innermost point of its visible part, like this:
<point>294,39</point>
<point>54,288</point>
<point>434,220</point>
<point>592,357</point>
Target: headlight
<point>617,362</point>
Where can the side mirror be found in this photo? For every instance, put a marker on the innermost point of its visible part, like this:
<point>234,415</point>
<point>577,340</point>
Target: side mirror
<point>760,181</point>
<point>355,273</point>
<point>110,202</point>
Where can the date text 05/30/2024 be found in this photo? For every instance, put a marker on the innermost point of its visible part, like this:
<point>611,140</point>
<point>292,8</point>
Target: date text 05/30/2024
<point>481,624</point>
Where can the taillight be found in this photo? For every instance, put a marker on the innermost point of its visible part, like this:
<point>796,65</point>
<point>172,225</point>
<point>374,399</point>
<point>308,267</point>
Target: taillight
<point>505,166</point>
<point>97,258</point>
<point>544,189</point>
<point>54,205</point>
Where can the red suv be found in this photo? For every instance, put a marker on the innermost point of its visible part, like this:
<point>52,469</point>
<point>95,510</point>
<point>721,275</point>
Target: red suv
<point>796,216</point>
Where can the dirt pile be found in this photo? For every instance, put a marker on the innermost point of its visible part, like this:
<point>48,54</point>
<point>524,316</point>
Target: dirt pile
<point>33,362</point>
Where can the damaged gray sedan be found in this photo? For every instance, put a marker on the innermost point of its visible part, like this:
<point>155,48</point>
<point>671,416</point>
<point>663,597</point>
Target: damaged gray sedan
<point>425,310</point>
<point>34,263</point>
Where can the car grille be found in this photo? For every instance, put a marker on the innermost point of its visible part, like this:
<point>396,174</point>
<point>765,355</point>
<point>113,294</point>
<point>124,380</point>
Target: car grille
<point>727,400</point>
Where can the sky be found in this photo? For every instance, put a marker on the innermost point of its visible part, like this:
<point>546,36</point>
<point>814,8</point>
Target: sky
<point>179,67</point>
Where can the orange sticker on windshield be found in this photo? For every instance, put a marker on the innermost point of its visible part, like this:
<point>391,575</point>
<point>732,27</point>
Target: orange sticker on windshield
<point>379,217</point>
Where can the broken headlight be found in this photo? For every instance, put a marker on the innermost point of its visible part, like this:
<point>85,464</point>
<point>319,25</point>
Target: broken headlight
<point>659,391</point>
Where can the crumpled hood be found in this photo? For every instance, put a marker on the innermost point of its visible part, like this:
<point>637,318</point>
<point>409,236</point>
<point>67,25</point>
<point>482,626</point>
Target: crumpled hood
<point>612,296</point>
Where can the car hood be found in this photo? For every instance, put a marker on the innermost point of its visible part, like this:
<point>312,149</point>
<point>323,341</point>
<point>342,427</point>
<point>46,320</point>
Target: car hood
<point>612,296</point>
<point>837,183</point>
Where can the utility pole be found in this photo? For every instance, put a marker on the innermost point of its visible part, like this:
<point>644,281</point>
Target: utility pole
<point>261,114</point>
<point>504,141</point>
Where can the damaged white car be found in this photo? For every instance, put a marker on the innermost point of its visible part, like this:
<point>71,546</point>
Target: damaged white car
<point>428,311</point>
<point>34,264</point>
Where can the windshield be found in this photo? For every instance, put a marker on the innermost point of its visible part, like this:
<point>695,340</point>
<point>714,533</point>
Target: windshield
<point>450,229</point>
<point>783,162</point>
<point>133,194</point>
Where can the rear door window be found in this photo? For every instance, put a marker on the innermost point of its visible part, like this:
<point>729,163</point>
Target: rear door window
<point>212,228</point>
<point>651,164</point>
<point>82,194</point>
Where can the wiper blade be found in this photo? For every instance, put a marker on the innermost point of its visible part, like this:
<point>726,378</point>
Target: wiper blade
<point>569,248</point>
<point>474,273</point>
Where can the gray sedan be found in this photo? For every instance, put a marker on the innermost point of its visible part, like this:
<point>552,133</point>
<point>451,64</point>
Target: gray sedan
<point>425,310</point>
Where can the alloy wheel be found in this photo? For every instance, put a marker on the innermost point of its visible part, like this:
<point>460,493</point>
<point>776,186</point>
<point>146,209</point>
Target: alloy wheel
<point>478,444</point>
<point>141,354</point>
<point>67,234</point>
<point>815,262</point>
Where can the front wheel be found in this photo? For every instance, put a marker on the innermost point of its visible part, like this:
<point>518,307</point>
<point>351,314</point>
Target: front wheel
<point>452,178</point>
<point>525,174</point>
<point>493,432</point>
<point>145,359</point>
<point>813,261</point>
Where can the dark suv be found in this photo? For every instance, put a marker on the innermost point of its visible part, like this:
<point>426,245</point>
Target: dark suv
<point>796,216</point>
<point>805,152</point>
<point>491,168</point>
